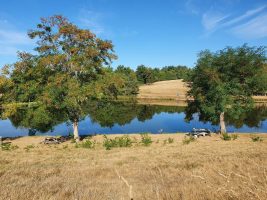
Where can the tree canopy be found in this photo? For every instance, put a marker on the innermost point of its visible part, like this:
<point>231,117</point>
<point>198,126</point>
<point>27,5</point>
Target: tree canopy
<point>225,81</point>
<point>64,72</point>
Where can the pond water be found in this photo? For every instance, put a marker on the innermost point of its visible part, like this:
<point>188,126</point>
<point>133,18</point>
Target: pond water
<point>111,118</point>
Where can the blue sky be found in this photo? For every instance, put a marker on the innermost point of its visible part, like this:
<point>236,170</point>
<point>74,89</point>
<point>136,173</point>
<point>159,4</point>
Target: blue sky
<point>151,32</point>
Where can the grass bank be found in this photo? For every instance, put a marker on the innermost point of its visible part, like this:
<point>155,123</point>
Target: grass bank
<point>208,168</point>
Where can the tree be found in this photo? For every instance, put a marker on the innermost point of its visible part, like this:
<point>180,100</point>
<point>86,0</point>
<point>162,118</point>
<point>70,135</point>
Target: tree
<point>225,82</point>
<point>144,74</point>
<point>64,72</point>
<point>130,80</point>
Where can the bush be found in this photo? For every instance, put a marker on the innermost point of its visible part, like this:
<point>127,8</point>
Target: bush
<point>234,136</point>
<point>146,139</point>
<point>170,140</point>
<point>256,139</point>
<point>189,139</point>
<point>86,144</point>
<point>123,141</point>
<point>226,137</point>
<point>7,146</point>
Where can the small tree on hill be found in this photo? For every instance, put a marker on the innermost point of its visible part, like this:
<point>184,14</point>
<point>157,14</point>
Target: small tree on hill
<point>144,74</point>
<point>225,82</point>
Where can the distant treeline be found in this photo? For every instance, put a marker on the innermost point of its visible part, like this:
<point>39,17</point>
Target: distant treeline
<point>125,81</point>
<point>146,75</point>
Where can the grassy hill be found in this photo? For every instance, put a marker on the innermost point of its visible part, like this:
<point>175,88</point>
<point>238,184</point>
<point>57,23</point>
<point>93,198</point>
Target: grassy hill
<point>173,90</point>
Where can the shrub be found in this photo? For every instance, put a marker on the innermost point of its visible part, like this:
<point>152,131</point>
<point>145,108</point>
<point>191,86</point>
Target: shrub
<point>170,140</point>
<point>86,144</point>
<point>146,139</point>
<point>123,141</point>
<point>7,146</point>
<point>256,139</point>
<point>234,136</point>
<point>189,139</point>
<point>226,137</point>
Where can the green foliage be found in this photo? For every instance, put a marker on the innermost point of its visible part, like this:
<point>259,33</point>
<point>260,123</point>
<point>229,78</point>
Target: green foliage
<point>128,75</point>
<point>256,139</point>
<point>188,139</point>
<point>123,141</point>
<point>147,75</point>
<point>226,137</point>
<point>63,74</point>
<point>146,139</point>
<point>224,82</point>
<point>7,146</point>
<point>87,144</point>
<point>144,74</point>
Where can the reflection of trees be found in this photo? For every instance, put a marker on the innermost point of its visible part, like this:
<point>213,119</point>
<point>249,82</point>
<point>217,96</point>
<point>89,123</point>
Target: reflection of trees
<point>39,118</point>
<point>107,114</point>
<point>251,117</point>
<point>145,112</point>
<point>110,113</point>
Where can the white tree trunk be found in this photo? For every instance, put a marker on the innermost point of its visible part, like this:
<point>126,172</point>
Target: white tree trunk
<point>75,131</point>
<point>222,123</point>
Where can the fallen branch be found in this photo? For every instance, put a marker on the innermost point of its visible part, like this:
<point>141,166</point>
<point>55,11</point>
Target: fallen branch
<point>126,183</point>
<point>198,177</point>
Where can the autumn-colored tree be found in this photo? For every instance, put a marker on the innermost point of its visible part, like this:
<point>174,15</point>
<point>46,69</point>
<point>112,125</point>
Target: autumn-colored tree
<point>62,75</point>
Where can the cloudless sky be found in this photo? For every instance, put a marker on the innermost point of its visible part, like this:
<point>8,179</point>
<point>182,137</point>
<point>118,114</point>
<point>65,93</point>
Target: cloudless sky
<point>155,33</point>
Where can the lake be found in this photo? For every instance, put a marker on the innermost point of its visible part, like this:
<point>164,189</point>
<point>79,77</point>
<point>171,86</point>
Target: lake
<point>125,118</point>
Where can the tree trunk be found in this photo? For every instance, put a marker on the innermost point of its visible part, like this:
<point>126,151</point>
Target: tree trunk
<point>222,123</point>
<point>75,131</point>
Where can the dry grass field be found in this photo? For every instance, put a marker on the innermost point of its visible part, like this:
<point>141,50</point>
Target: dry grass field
<point>208,168</point>
<point>174,89</point>
<point>171,92</point>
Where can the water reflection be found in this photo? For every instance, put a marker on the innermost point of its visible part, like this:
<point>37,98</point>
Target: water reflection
<point>122,117</point>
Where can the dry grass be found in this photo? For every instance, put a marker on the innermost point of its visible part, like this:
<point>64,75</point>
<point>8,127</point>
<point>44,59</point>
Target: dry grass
<point>174,89</point>
<point>171,92</point>
<point>208,168</point>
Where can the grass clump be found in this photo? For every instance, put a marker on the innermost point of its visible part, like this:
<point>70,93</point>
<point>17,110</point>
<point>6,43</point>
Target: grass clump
<point>123,141</point>
<point>146,139</point>
<point>168,141</point>
<point>7,146</point>
<point>188,140</point>
<point>256,139</point>
<point>28,147</point>
<point>234,136</point>
<point>87,144</point>
<point>226,137</point>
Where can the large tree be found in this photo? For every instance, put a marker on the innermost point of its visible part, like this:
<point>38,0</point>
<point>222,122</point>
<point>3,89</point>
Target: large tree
<point>225,81</point>
<point>63,73</point>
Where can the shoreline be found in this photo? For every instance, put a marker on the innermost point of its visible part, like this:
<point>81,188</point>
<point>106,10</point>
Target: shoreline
<point>112,135</point>
<point>122,134</point>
